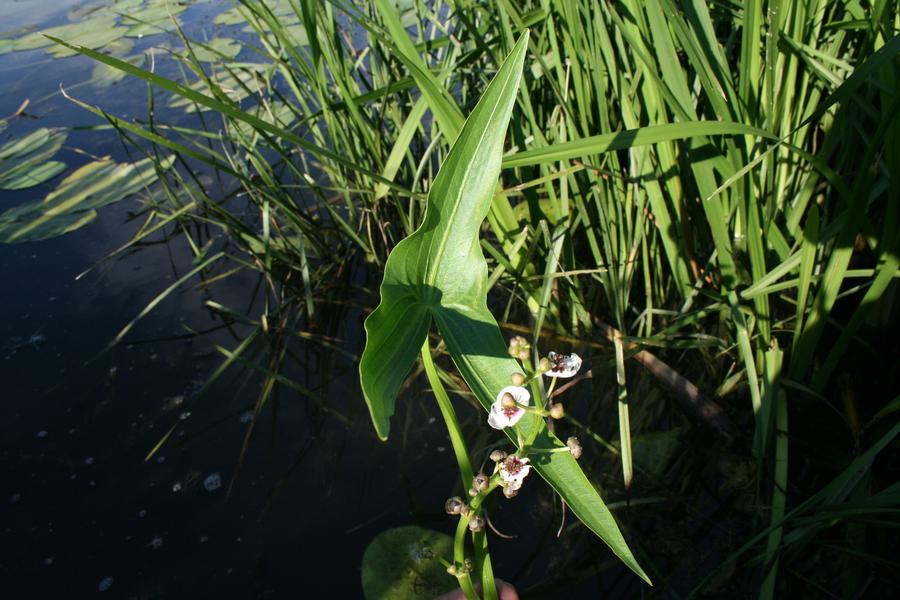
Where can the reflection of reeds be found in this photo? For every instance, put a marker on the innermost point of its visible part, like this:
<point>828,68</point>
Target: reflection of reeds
<point>698,180</point>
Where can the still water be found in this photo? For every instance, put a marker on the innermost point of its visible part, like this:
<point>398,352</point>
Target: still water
<point>82,512</point>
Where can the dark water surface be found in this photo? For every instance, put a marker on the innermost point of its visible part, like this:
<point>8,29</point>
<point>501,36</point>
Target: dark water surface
<point>82,513</point>
<point>78,503</point>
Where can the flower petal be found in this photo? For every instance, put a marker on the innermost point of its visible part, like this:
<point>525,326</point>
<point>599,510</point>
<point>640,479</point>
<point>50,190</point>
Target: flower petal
<point>497,419</point>
<point>563,365</point>
<point>519,394</point>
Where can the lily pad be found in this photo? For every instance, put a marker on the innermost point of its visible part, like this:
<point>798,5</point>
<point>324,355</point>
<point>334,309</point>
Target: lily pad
<point>93,33</point>
<point>104,76</point>
<point>94,40</point>
<point>217,49</point>
<point>107,6</point>
<point>25,162</point>
<point>238,84</point>
<point>119,47</point>
<point>152,19</point>
<point>402,564</point>
<point>232,16</point>
<point>74,202</point>
<point>277,113</point>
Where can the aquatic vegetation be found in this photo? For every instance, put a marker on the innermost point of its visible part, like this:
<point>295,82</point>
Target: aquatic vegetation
<point>74,202</point>
<point>25,162</point>
<point>699,199</point>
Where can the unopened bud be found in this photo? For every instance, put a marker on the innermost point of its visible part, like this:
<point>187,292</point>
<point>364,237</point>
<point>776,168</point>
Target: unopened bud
<point>510,491</point>
<point>574,447</point>
<point>452,570</point>
<point>473,492</point>
<point>468,566</point>
<point>465,510</point>
<point>454,506</point>
<point>557,411</point>
<point>507,401</point>
<point>519,347</point>
<point>544,365</point>
<point>516,342</point>
<point>476,524</point>
<point>517,379</point>
<point>481,482</point>
<point>498,455</point>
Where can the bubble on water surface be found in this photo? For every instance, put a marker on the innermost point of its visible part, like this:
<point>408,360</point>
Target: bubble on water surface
<point>212,482</point>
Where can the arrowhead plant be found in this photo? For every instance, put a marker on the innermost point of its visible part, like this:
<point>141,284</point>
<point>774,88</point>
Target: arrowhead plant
<point>439,275</point>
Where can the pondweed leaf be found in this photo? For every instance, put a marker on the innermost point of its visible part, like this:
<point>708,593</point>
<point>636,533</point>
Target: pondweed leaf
<point>74,202</point>
<point>439,274</point>
<point>24,162</point>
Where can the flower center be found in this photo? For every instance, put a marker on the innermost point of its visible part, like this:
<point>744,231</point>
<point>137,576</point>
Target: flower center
<point>513,465</point>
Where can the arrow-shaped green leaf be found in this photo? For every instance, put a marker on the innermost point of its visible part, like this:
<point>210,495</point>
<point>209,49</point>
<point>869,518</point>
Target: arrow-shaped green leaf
<point>439,273</point>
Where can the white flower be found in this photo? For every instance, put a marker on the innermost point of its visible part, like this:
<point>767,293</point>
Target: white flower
<point>513,471</point>
<point>563,365</point>
<point>508,408</point>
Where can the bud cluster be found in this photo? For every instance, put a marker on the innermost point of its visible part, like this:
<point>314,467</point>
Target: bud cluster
<point>519,348</point>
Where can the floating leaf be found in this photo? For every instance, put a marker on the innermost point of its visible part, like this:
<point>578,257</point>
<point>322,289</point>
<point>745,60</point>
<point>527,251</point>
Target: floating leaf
<point>277,113</point>
<point>92,33</point>
<point>439,273</point>
<point>37,175</point>
<point>104,76</point>
<point>152,19</point>
<point>294,31</point>
<point>216,49</point>
<point>94,39</point>
<point>119,47</point>
<point>401,564</point>
<point>26,162</point>
<point>98,8</point>
<point>232,16</point>
<point>237,84</point>
<point>72,204</point>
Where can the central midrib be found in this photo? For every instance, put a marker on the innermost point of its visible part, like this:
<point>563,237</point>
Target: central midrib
<point>431,273</point>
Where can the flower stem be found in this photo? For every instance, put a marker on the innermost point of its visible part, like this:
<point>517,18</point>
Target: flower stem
<point>483,559</point>
<point>459,558</point>
<point>449,414</point>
